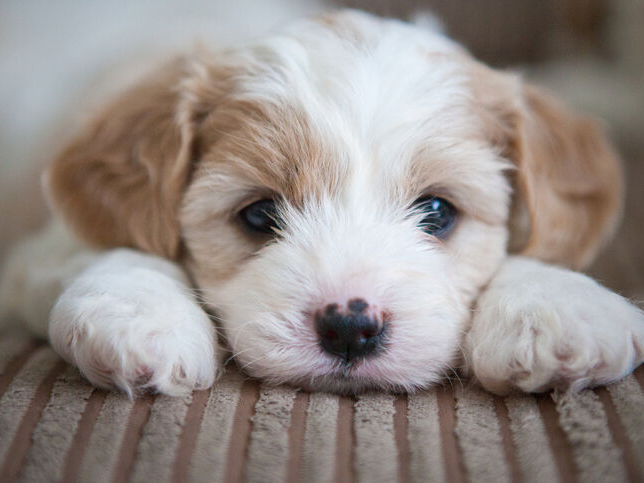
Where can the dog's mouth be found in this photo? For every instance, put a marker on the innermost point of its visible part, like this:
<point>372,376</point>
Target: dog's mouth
<point>345,369</point>
<point>338,376</point>
<point>341,376</point>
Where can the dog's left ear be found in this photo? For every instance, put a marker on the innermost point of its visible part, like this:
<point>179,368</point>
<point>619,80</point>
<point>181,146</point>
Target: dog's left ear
<point>120,182</point>
<point>568,186</point>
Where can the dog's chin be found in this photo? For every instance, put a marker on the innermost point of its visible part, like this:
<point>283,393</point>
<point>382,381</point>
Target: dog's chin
<point>351,385</point>
<point>361,376</point>
<point>345,386</point>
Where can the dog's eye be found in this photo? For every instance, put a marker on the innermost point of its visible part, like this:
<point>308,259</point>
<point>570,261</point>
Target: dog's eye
<point>260,216</point>
<point>439,214</point>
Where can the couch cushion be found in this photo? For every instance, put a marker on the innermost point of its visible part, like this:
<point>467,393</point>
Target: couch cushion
<point>54,426</point>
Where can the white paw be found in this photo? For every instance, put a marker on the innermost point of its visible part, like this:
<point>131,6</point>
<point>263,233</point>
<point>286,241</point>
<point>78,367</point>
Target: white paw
<point>538,327</point>
<point>129,322</point>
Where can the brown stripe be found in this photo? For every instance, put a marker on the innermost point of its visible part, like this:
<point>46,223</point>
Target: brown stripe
<point>454,467</point>
<point>188,438</point>
<point>584,421</point>
<point>137,420</point>
<point>15,402</point>
<point>15,364</point>
<point>639,375</point>
<point>22,441</point>
<point>509,447</point>
<point>345,442</point>
<point>628,398</point>
<point>402,443</point>
<point>83,433</point>
<point>242,427</point>
<point>54,433</point>
<point>296,431</point>
<point>619,435</point>
<point>561,449</point>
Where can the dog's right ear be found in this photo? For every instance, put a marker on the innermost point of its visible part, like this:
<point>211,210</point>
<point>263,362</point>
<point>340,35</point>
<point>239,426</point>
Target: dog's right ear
<point>121,181</point>
<point>567,180</point>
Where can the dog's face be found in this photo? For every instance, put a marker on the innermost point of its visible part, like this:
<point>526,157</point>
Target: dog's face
<point>361,148</point>
<point>341,193</point>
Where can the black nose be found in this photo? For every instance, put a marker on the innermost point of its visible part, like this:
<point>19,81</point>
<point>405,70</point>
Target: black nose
<point>348,335</point>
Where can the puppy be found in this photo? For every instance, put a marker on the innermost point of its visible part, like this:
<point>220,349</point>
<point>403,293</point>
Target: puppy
<point>357,202</point>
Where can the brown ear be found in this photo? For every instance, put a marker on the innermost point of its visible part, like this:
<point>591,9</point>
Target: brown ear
<point>120,182</point>
<point>568,186</point>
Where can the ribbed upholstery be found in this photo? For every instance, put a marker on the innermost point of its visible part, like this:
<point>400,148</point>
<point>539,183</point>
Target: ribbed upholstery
<point>56,427</point>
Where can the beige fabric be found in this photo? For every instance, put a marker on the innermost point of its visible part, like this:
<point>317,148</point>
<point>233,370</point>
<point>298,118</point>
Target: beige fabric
<point>160,439</point>
<point>54,433</point>
<point>319,439</point>
<point>107,436</point>
<point>54,426</point>
<point>15,402</point>
<point>536,461</point>
<point>375,453</point>
<point>583,419</point>
<point>628,397</point>
<point>211,452</point>
<point>479,434</point>
<point>424,438</point>
<point>268,452</point>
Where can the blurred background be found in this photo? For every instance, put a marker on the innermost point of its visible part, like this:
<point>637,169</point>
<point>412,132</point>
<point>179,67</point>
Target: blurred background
<point>59,60</point>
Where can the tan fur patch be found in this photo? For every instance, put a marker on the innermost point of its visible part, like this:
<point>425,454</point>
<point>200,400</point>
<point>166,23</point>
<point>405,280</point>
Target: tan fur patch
<point>252,151</point>
<point>122,181</point>
<point>568,183</point>
<point>119,183</point>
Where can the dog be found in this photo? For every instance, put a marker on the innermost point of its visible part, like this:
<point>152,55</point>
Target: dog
<point>349,204</point>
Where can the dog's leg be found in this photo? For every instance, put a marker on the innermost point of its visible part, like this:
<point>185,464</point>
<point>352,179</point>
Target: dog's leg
<point>537,327</point>
<point>34,274</point>
<point>130,321</point>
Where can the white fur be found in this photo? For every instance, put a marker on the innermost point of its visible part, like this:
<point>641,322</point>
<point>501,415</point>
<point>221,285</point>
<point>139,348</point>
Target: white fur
<point>35,273</point>
<point>381,111</point>
<point>393,126</point>
<point>538,327</point>
<point>267,308</point>
<point>130,321</point>
<point>60,61</point>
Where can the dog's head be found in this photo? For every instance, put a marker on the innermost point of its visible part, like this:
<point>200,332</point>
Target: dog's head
<point>340,193</point>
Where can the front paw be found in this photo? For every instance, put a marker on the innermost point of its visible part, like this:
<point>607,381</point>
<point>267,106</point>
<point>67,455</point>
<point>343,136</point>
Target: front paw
<point>538,327</point>
<point>147,334</point>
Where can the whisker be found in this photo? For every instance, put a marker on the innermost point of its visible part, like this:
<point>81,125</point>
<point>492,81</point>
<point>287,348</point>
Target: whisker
<point>236,354</point>
<point>252,362</point>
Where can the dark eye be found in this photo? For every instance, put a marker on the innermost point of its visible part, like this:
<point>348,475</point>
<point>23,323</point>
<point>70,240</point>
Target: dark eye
<point>439,214</point>
<point>260,216</point>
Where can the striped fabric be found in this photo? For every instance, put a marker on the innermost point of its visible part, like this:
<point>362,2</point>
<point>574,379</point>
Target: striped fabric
<point>56,427</point>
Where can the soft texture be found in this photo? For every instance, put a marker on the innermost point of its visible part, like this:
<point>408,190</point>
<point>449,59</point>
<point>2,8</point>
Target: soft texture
<point>317,119</point>
<point>242,430</point>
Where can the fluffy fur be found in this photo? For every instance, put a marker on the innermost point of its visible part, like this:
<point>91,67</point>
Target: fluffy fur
<point>346,119</point>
